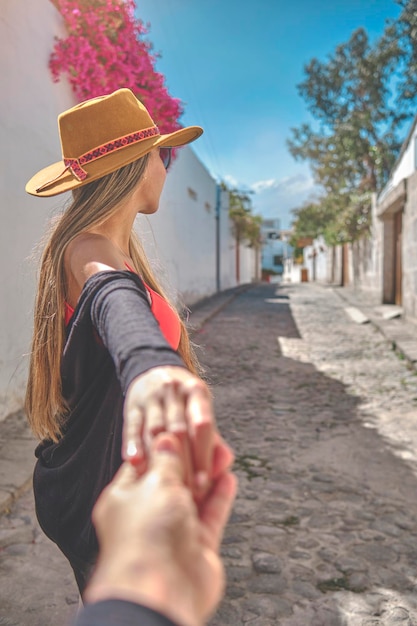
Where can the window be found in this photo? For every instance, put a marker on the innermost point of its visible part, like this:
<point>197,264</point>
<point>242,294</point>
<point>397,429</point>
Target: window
<point>278,258</point>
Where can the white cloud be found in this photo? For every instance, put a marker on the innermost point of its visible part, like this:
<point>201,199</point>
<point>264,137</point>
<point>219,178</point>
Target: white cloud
<point>289,185</point>
<point>275,197</point>
<point>231,181</point>
<point>279,196</point>
<point>300,183</point>
<point>261,185</point>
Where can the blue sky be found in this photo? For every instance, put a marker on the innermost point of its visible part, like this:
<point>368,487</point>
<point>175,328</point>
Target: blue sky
<point>236,65</point>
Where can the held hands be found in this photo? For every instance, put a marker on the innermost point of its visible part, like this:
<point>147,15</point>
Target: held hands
<point>173,400</point>
<point>155,548</point>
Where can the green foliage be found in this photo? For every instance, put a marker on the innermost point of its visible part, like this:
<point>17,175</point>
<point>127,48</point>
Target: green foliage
<point>358,121</point>
<point>339,218</point>
<point>311,219</point>
<point>404,32</point>
<point>253,231</point>
<point>246,225</point>
<point>356,141</point>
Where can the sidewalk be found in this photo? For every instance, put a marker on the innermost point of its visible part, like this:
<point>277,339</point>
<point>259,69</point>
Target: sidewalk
<point>399,332</point>
<point>17,443</point>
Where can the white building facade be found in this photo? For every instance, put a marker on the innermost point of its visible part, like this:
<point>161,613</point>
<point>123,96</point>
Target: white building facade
<point>397,211</point>
<point>276,250</point>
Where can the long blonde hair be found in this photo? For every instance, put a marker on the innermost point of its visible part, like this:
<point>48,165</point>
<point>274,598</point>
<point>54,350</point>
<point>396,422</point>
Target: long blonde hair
<point>92,205</point>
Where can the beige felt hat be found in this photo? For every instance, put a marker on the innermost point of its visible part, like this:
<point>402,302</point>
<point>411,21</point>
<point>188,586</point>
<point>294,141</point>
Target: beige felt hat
<point>98,137</point>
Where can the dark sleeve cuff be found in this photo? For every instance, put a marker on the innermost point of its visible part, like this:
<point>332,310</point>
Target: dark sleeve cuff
<point>120,613</point>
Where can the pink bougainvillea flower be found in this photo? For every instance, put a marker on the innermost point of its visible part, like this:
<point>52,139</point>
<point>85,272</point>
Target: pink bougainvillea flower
<point>105,49</point>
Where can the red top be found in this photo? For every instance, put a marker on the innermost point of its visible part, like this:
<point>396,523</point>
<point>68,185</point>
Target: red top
<point>163,312</point>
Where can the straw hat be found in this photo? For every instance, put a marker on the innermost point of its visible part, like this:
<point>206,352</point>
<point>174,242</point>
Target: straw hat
<point>98,137</point>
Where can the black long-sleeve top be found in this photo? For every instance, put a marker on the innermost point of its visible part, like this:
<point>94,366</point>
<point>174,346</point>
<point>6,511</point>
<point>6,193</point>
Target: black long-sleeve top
<point>120,613</point>
<point>112,338</point>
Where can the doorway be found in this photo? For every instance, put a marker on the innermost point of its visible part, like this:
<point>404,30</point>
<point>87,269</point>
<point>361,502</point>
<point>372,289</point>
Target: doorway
<point>398,266</point>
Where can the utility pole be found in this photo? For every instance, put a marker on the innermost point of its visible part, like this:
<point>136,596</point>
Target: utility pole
<point>217,215</point>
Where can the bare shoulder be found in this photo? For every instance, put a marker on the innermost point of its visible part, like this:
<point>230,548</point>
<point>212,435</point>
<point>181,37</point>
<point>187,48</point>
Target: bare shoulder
<point>88,254</point>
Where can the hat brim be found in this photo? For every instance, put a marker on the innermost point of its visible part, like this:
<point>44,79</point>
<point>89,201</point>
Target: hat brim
<point>105,165</point>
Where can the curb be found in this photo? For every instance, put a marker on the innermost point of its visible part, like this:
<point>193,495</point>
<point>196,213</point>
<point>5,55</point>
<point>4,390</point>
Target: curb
<point>222,298</point>
<point>398,333</point>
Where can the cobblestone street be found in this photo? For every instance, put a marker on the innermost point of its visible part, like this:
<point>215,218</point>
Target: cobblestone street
<point>322,415</point>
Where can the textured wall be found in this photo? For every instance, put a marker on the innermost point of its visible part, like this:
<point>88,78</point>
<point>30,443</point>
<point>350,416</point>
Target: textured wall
<point>367,256</point>
<point>410,249</point>
<point>29,105</point>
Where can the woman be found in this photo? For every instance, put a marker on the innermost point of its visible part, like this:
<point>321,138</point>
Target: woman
<point>111,362</point>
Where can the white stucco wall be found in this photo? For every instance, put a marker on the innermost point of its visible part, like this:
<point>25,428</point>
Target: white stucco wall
<point>367,256</point>
<point>409,250</point>
<point>29,104</point>
<point>247,265</point>
<point>317,255</point>
<point>227,248</point>
<point>181,237</point>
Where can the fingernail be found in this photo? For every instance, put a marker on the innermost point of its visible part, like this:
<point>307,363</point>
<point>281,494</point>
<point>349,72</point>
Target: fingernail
<point>138,463</point>
<point>164,444</point>
<point>201,480</point>
<point>132,449</point>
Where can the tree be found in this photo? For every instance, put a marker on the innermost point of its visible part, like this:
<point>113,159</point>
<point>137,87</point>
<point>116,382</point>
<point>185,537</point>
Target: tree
<point>403,33</point>
<point>254,239</point>
<point>246,226</point>
<point>355,140</point>
<point>339,218</point>
<point>349,96</point>
<point>311,220</point>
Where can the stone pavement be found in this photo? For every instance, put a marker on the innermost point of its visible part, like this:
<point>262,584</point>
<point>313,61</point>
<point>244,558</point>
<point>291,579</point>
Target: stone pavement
<point>321,413</point>
<point>322,416</point>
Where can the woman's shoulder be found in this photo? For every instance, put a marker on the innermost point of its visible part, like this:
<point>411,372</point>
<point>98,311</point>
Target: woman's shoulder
<point>88,254</point>
<point>91,245</point>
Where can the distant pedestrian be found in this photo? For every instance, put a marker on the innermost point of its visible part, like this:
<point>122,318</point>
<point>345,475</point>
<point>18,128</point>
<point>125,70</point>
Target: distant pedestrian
<point>111,362</point>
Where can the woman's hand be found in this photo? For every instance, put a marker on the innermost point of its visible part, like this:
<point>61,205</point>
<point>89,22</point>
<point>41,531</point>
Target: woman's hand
<point>172,399</point>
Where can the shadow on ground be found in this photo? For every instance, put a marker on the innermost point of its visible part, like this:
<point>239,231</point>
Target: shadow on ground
<point>324,529</point>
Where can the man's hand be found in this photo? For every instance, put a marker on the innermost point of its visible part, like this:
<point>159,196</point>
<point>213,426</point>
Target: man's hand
<point>156,548</point>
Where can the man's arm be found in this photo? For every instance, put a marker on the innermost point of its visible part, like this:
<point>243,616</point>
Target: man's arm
<point>157,549</point>
<point>121,613</point>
